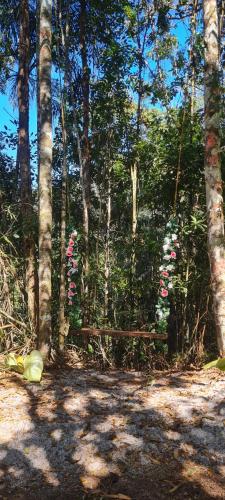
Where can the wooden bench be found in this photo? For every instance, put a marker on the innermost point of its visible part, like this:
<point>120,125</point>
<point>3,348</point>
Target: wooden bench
<point>119,333</point>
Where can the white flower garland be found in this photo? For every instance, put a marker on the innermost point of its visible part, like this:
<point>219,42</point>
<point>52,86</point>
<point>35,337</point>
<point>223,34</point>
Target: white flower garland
<point>167,269</point>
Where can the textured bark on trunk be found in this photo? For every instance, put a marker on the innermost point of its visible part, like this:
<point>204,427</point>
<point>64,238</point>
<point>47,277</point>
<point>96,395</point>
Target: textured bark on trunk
<point>45,177</point>
<point>24,164</point>
<point>85,147</point>
<point>214,198</point>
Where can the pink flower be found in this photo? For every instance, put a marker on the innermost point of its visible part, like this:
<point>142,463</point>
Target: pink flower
<point>161,282</point>
<point>70,293</point>
<point>75,264</point>
<point>68,274</point>
<point>173,255</point>
<point>71,242</point>
<point>164,292</point>
<point>69,252</point>
<point>165,274</point>
<point>70,303</point>
<point>72,285</point>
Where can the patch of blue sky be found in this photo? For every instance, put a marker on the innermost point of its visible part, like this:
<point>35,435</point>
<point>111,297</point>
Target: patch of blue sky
<point>9,109</point>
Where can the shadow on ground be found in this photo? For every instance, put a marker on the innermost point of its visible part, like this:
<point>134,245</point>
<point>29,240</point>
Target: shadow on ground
<point>84,434</point>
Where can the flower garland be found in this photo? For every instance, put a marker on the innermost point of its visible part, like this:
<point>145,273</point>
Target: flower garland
<point>167,274</point>
<point>72,264</point>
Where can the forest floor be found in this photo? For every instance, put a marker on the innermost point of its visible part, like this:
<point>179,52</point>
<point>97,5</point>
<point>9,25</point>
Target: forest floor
<point>84,434</point>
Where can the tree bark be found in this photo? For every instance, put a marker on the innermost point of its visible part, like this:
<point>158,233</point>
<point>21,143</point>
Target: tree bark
<point>45,177</point>
<point>24,164</point>
<point>214,198</point>
<point>85,146</point>
<point>62,289</point>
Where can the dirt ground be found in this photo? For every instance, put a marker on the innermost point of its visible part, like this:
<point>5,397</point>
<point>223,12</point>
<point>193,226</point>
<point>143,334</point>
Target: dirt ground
<point>84,434</point>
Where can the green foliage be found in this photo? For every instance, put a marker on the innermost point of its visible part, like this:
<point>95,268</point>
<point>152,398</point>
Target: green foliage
<point>139,99</point>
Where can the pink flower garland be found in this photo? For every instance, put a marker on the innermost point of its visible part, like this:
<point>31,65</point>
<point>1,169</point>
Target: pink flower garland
<point>71,253</point>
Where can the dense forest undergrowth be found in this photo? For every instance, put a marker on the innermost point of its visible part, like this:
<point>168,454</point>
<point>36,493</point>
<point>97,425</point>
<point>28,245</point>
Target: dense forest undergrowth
<point>104,216</point>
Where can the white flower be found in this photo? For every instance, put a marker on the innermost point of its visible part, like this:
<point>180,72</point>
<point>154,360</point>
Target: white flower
<point>166,257</point>
<point>166,247</point>
<point>162,268</point>
<point>170,285</point>
<point>170,267</point>
<point>167,240</point>
<point>174,237</point>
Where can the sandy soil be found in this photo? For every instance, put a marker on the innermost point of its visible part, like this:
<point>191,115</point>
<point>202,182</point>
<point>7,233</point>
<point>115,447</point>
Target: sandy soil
<point>84,434</point>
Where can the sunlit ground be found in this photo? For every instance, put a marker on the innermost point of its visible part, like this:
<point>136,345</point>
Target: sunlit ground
<point>82,433</point>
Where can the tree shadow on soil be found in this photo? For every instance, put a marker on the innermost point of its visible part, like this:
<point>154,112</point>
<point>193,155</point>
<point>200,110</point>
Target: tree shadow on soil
<point>86,435</point>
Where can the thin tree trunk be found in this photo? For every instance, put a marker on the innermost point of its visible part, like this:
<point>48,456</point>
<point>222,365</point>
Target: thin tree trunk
<point>214,198</point>
<point>192,56</point>
<point>97,253</point>
<point>62,292</point>
<point>135,165</point>
<point>24,164</point>
<point>85,166</point>
<point>107,247</point>
<point>45,177</point>
<point>134,180</point>
<point>180,152</point>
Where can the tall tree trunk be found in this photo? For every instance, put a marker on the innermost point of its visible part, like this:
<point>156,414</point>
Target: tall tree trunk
<point>85,167</point>
<point>192,55</point>
<point>62,291</point>
<point>24,163</point>
<point>107,245</point>
<point>214,198</point>
<point>134,173</point>
<point>134,180</point>
<point>45,177</point>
